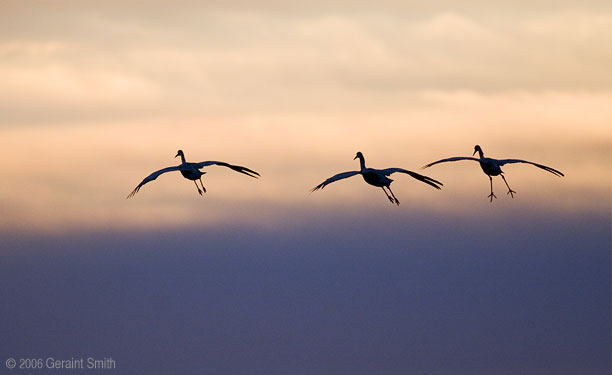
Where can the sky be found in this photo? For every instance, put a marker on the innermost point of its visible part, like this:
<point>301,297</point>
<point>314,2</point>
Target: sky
<point>261,276</point>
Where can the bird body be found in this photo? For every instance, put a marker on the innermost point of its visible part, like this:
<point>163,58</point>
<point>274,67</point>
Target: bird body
<point>378,178</point>
<point>375,178</point>
<point>191,171</point>
<point>492,167</point>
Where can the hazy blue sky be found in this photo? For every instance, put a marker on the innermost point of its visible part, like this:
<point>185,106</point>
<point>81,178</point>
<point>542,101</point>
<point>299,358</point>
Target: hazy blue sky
<point>260,277</point>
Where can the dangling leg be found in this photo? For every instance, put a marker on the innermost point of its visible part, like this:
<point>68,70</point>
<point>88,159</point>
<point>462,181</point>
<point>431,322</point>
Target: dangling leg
<point>201,183</point>
<point>391,191</point>
<point>388,196</point>
<point>510,191</point>
<point>491,195</point>
<point>196,184</point>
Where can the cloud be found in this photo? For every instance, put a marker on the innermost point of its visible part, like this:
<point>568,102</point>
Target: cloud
<point>408,291</point>
<point>85,64</point>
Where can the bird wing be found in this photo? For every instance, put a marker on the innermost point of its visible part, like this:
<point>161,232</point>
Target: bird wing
<point>548,169</point>
<point>456,158</point>
<point>428,180</point>
<point>237,168</point>
<point>152,177</point>
<point>337,177</point>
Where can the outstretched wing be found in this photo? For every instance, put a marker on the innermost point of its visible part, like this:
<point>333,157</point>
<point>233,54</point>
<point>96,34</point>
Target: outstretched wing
<point>428,180</point>
<point>152,177</point>
<point>456,158</point>
<point>548,169</point>
<point>237,168</point>
<point>337,177</point>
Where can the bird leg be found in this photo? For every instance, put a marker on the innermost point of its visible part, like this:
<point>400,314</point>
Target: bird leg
<point>491,195</point>
<point>388,196</point>
<point>510,191</point>
<point>201,183</point>
<point>196,184</point>
<point>391,191</point>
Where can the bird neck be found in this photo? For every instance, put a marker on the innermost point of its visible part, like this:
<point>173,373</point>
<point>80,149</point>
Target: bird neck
<point>362,162</point>
<point>480,153</point>
<point>182,158</point>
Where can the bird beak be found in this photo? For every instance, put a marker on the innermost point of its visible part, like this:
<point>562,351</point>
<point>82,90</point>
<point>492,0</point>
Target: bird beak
<point>177,154</point>
<point>474,152</point>
<point>355,157</point>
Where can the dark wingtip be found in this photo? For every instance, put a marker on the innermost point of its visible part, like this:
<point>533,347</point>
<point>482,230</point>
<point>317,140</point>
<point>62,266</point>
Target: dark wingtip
<point>435,183</point>
<point>130,195</point>
<point>250,172</point>
<point>316,188</point>
<point>555,172</point>
<point>245,170</point>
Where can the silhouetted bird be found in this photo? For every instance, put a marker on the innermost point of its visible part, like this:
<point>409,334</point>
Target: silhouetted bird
<point>191,171</point>
<point>492,167</point>
<point>378,178</point>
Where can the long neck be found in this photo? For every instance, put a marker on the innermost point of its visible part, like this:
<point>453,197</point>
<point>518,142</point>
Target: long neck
<point>182,157</point>
<point>361,162</point>
<point>480,153</point>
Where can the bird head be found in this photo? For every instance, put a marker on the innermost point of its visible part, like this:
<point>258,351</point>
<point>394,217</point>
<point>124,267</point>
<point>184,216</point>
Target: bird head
<point>179,153</point>
<point>477,149</point>
<point>358,155</point>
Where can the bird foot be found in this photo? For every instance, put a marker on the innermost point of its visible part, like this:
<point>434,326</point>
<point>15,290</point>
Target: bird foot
<point>511,192</point>
<point>491,196</point>
<point>200,191</point>
<point>396,201</point>
<point>391,199</point>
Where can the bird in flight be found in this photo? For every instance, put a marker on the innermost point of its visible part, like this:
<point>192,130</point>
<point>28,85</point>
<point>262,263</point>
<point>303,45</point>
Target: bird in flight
<point>191,171</point>
<point>492,167</point>
<point>378,178</point>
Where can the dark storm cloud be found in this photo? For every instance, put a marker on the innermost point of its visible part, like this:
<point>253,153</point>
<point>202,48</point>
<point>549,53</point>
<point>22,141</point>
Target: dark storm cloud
<point>424,295</point>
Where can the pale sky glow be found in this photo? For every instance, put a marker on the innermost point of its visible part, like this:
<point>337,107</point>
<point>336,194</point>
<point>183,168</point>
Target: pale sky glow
<point>93,99</point>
